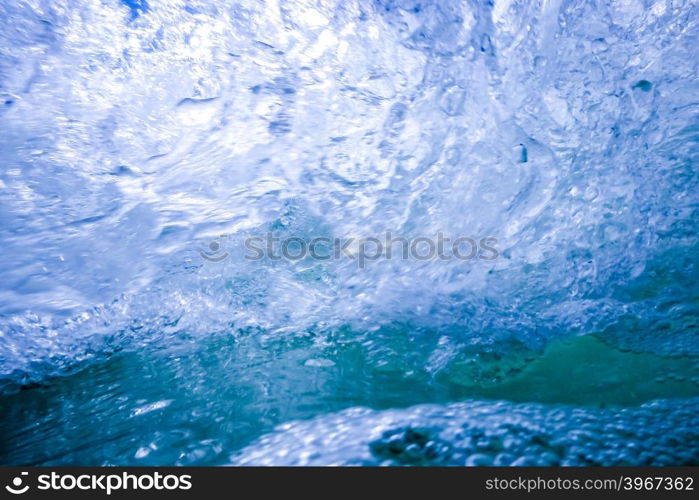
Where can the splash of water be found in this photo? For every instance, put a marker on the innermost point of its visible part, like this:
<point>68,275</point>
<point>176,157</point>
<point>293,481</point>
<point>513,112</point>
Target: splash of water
<point>135,133</point>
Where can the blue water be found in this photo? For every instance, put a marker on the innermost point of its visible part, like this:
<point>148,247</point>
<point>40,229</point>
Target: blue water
<point>142,142</point>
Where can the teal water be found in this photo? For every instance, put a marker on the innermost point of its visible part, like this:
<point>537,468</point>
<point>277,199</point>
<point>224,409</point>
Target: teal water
<point>144,144</point>
<point>198,404</point>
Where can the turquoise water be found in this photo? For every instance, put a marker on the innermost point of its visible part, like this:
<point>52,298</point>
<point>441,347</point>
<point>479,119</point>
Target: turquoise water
<point>149,151</point>
<point>198,405</point>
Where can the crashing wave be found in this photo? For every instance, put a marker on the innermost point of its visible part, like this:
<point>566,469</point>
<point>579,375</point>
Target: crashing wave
<point>134,133</point>
<point>487,433</point>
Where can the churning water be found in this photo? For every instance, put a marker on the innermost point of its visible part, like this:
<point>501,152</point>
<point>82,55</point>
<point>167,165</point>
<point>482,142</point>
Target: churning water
<point>143,142</point>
